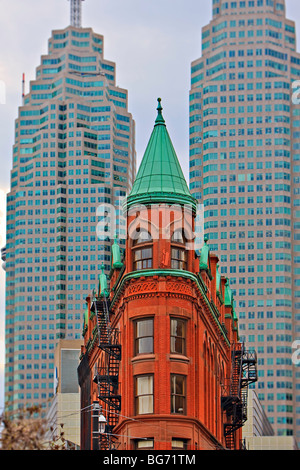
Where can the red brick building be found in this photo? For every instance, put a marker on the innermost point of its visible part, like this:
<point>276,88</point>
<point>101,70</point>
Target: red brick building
<point>161,353</point>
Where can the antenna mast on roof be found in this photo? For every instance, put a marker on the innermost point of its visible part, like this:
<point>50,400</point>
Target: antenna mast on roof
<point>76,13</point>
<point>23,88</point>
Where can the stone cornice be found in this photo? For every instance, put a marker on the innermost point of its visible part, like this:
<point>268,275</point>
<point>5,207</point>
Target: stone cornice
<point>168,273</point>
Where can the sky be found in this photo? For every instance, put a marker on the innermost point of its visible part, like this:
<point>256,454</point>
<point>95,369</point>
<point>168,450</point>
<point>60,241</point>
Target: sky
<point>152,42</point>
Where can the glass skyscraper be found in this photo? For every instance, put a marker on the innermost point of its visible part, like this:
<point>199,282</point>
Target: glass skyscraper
<point>245,170</point>
<point>74,150</point>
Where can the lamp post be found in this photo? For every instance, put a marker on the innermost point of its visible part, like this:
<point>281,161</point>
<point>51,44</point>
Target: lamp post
<point>95,426</point>
<point>102,423</point>
<point>99,425</point>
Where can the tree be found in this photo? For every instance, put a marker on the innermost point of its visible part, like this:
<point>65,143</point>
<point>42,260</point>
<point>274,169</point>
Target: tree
<point>28,432</point>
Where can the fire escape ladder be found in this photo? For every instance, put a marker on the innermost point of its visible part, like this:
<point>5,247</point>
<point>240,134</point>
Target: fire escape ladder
<point>249,365</point>
<point>236,375</point>
<point>107,376</point>
<point>235,394</point>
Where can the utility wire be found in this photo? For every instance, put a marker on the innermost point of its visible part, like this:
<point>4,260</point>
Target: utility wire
<point>218,446</point>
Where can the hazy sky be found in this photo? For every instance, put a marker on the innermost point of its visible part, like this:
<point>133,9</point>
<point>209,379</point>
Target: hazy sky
<point>153,43</point>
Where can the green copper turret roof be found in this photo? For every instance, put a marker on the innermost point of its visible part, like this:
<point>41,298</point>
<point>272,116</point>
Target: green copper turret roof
<point>103,289</point>
<point>116,256</point>
<point>218,281</point>
<point>204,255</point>
<point>160,178</point>
<point>228,294</point>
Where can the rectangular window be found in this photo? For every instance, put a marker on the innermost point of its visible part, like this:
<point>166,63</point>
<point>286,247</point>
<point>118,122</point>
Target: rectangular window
<point>144,394</point>
<point>178,394</point>
<point>178,260</point>
<point>178,336</point>
<point>144,444</point>
<point>144,336</point>
<point>142,259</point>
<point>179,444</point>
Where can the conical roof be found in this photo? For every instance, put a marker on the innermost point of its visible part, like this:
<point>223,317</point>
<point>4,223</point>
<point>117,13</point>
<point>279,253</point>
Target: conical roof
<point>160,178</point>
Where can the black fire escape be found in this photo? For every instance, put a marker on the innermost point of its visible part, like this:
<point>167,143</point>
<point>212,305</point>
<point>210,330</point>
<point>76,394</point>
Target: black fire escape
<point>107,376</point>
<point>235,393</point>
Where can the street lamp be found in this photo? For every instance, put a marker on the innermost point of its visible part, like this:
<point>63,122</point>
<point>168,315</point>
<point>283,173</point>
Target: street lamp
<point>102,424</point>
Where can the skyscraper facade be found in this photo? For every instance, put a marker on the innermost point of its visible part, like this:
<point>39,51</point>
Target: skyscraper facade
<point>244,169</point>
<point>74,150</point>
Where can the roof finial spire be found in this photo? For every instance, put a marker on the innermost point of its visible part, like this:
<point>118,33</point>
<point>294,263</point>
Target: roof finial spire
<point>76,13</point>
<point>159,119</point>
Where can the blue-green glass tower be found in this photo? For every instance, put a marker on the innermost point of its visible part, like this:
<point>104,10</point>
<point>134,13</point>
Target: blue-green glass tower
<point>74,150</point>
<point>244,169</point>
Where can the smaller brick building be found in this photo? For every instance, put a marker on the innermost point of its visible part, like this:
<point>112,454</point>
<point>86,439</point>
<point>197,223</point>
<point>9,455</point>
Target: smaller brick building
<point>161,352</point>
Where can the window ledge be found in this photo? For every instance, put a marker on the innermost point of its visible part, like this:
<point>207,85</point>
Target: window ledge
<point>143,357</point>
<point>179,357</point>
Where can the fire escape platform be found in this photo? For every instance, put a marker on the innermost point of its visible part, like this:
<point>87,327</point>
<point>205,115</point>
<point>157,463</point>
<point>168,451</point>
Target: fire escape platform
<point>235,393</point>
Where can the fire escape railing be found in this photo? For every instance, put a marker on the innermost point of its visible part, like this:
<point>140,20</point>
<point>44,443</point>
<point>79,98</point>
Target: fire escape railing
<point>235,392</point>
<point>107,376</point>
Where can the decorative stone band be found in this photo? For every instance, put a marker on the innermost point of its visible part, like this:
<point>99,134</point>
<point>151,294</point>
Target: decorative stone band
<point>175,274</point>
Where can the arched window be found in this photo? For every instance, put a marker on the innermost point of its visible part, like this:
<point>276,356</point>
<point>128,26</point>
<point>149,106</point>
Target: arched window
<point>178,251</point>
<point>142,251</point>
